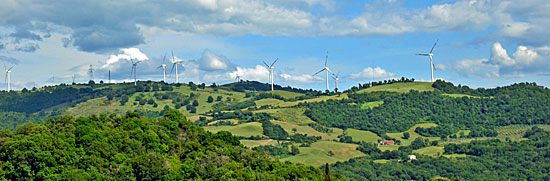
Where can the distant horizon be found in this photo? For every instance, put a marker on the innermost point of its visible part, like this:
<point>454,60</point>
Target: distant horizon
<point>197,83</point>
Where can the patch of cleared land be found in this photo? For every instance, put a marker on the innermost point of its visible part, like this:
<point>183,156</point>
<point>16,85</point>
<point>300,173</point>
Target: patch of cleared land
<point>360,135</point>
<point>286,94</point>
<point>308,130</point>
<point>246,129</point>
<point>370,105</point>
<point>291,115</point>
<point>318,153</point>
<point>255,143</point>
<point>433,151</point>
<point>413,135</point>
<point>401,87</point>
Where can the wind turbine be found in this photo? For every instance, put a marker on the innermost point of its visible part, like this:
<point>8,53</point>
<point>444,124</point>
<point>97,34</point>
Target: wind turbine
<point>432,66</point>
<point>91,72</point>
<point>134,70</point>
<point>270,69</point>
<point>336,79</point>
<point>175,64</point>
<point>163,66</point>
<point>238,78</point>
<point>326,69</point>
<point>8,78</point>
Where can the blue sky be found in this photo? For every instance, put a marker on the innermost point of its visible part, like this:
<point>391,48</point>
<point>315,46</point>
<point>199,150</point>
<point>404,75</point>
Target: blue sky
<point>482,43</point>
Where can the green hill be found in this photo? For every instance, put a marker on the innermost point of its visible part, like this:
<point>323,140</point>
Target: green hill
<point>307,126</point>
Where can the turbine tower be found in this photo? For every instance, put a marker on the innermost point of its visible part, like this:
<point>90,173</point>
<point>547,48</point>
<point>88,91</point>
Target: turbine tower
<point>336,79</point>
<point>270,69</point>
<point>134,70</point>
<point>163,66</point>
<point>175,64</point>
<point>238,78</point>
<point>327,70</point>
<point>8,77</point>
<point>432,65</point>
<point>91,72</point>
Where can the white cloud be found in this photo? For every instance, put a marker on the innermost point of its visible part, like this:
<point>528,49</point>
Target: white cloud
<point>370,72</point>
<point>258,73</point>
<point>126,54</point>
<point>479,67</point>
<point>211,61</point>
<point>524,61</point>
<point>304,78</point>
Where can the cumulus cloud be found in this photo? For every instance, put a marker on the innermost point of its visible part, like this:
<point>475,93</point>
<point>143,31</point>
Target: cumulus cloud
<point>304,78</point>
<point>126,54</point>
<point>258,73</point>
<point>524,61</point>
<point>370,72</point>
<point>211,62</point>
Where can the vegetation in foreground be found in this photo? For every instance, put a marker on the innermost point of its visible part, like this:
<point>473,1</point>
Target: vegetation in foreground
<point>108,147</point>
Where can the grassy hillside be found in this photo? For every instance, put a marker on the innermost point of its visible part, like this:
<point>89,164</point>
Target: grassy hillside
<point>401,87</point>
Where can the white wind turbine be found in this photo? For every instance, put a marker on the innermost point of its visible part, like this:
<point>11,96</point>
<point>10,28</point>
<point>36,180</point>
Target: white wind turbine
<point>134,70</point>
<point>8,77</point>
<point>175,64</point>
<point>163,66</point>
<point>336,79</point>
<point>325,69</point>
<point>270,69</point>
<point>432,66</point>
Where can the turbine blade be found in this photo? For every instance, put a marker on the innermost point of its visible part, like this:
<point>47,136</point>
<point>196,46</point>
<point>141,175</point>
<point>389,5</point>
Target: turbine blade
<point>326,59</point>
<point>173,66</point>
<point>266,64</point>
<point>434,66</point>
<point>434,46</point>
<point>173,59</point>
<point>274,62</point>
<point>10,68</point>
<point>164,58</point>
<point>319,71</point>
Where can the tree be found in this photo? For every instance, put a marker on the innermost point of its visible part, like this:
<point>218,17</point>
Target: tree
<point>406,135</point>
<point>195,103</point>
<point>210,99</point>
<point>294,150</point>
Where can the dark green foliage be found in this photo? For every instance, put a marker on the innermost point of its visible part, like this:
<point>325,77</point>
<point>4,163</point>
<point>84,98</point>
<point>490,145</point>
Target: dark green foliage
<point>406,135</point>
<point>515,104</point>
<point>486,160</point>
<point>195,103</point>
<point>274,131</point>
<point>210,99</point>
<point>109,147</point>
<point>320,128</point>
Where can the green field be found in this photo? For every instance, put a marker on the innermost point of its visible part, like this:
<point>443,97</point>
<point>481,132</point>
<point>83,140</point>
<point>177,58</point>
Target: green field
<point>360,135</point>
<point>286,94</point>
<point>401,87</point>
<point>370,105</point>
<point>413,135</point>
<point>308,130</point>
<point>255,143</point>
<point>291,115</point>
<point>318,153</point>
<point>246,129</point>
<point>433,151</point>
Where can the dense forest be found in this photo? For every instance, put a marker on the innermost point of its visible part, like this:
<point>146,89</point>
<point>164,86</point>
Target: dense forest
<point>485,160</point>
<point>109,147</point>
<point>516,104</point>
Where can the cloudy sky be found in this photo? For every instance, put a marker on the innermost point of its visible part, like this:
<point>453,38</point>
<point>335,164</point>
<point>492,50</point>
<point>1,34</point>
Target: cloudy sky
<point>482,43</point>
